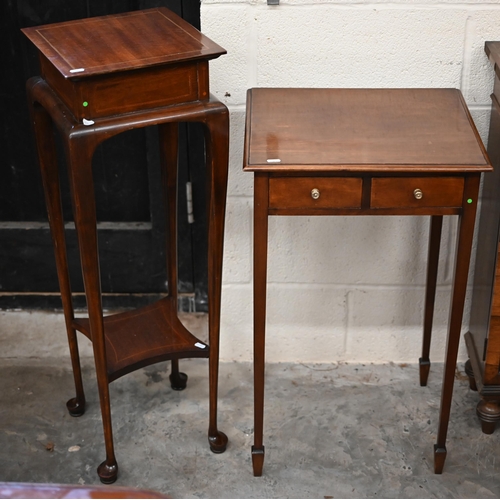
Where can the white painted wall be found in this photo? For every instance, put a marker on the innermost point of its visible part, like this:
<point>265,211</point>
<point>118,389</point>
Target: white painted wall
<point>340,288</point>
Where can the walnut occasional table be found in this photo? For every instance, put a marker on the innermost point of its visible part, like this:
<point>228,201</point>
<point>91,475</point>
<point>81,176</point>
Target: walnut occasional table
<point>365,152</point>
<point>100,77</point>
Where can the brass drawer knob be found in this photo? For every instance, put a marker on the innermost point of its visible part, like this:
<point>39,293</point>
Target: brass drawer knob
<point>418,194</point>
<point>315,194</point>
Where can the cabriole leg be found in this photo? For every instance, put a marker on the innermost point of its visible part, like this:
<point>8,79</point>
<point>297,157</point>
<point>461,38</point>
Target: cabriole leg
<point>217,147</point>
<point>169,145</point>
<point>47,157</point>
<point>79,154</point>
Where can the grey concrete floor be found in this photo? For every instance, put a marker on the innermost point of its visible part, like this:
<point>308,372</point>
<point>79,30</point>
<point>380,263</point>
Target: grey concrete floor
<point>331,431</point>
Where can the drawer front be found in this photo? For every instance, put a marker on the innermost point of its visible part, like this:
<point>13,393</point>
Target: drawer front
<point>414,192</point>
<point>130,91</point>
<point>315,192</point>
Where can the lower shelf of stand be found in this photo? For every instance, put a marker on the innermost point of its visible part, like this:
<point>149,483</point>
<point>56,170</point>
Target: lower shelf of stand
<point>147,335</point>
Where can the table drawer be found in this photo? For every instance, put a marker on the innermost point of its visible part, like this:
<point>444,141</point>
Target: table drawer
<point>315,192</point>
<point>415,192</point>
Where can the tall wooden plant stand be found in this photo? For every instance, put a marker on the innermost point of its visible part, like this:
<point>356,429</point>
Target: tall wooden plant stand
<point>100,77</point>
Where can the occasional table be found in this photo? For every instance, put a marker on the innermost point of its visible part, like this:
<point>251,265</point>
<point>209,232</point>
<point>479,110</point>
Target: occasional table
<point>365,152</point>
<point>99,77</point>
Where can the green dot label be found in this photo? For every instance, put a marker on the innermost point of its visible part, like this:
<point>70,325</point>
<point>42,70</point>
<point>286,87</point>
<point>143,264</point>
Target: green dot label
<point>85,104</point>
<point>469,200</point>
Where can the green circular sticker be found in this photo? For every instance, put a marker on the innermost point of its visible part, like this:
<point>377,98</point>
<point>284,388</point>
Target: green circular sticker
<point>469,200</point>
<point>85,104</point>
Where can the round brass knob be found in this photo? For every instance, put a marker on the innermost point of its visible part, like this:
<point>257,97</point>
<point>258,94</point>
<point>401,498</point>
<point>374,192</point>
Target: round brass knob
<point>418,194</point>
<point>315,194</point>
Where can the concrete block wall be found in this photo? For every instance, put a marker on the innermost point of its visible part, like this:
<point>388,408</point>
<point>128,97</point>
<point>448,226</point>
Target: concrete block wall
<point>340,288</point>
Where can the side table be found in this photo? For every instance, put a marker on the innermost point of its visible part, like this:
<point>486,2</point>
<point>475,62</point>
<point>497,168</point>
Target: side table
<point>100,77</point>
<point>365,152</point>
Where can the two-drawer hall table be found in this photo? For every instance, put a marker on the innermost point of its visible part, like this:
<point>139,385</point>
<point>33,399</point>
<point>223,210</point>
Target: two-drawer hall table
<point>365,152</point>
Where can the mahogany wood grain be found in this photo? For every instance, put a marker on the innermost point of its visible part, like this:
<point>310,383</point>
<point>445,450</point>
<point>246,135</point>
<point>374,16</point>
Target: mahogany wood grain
<point>127,62</point>
<point>398,137</point>
<point>465,236</point>
<point>156,65</point>
<point>430,295</point>
<point>483,337</point>
<point>261,203</point>
<point>217,158</point>
<point>47,158</point>
<point>79,152</point>
<point>296,192</point>
<point>492,358</point>
<point>164,336</point>
<point>41,490</point>
<point>144,336</point>
<point>121,42</point>
<point>169,139</point>
<point>100,96</point>
<point>368,151</point>
<point>391,192</point>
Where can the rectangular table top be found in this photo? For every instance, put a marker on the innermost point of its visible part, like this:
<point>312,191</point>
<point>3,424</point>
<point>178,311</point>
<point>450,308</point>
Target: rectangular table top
<point>120,42</point>
<point>349,130</point>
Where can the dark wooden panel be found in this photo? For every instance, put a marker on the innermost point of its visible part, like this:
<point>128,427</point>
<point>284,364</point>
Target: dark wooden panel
<point>488,237</point>
<point>126,173</point>
<point>32,269</point>
<point>21,194</point>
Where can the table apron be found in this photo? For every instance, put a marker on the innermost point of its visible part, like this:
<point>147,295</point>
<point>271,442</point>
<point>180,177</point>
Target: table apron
<point>367,211</point>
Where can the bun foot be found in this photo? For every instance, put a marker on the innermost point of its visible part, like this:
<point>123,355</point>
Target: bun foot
<point>218,443</point>
<point>470,373</point>
<point>75,407</point>
<point>424,368</point>
<point>488,413</point>
<point>108,472</point>
<point>257,461</point>
<point>439,458</point>
<point>178,381</point>
<point>488,427</point>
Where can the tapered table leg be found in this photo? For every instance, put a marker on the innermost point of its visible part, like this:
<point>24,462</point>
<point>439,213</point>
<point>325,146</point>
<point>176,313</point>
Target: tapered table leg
<point>463,252</point>
<point>79,152</point>
<point>217,147</point>
<point>261,190</point>
<point>430,295</point>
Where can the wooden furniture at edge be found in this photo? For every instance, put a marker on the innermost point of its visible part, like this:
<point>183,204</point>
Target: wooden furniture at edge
<point>42,490</point>
<point>99,77</point>
<point>483,337</point>
<point>365,152</point>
